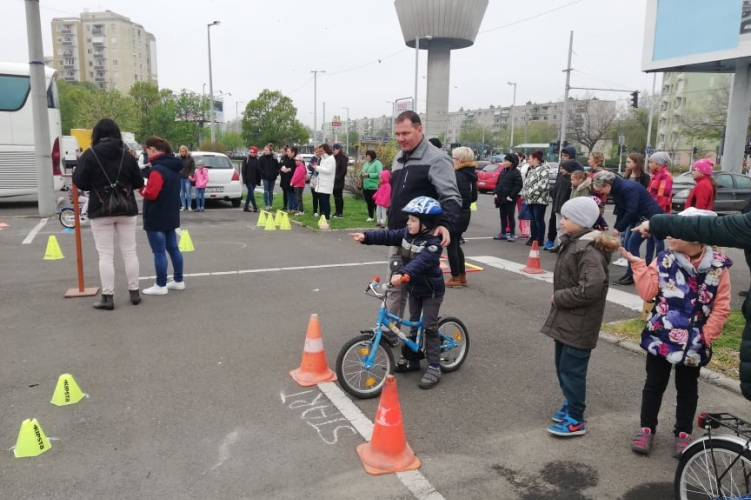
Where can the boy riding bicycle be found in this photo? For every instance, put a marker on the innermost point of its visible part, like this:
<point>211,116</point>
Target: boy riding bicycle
<point>422,276</point>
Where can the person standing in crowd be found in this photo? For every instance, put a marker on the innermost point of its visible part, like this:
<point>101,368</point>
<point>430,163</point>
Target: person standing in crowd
<point>286,171</point>
<point>466,180</point>
<point>105,162</point>
<point>326,171</point>
<point>581,185</point>
<point>690,284</point>
<point>634,172</point>
<point>580,284</point>
<point>560,195</point>
<point>189,166</point>
<point>161,215</point>
<point>298,183</point>
<point>703,193</point>
<point>661,188</point>
<point>596,162</point>
<point>536,195</point>
<point>251,172</point>
<point>312,165</point>
<point>507,189</point>
<point>201,180</point>
<point>342,163</point>
<point>521,205</point>
<point>382,198</point>
<point>635,204</point>
<point>269,172</point>
<point>371,174</point>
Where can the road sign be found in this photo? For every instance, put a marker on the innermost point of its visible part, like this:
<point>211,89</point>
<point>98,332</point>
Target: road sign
<point>403,105</point>
<point>649,150</point>
<point>336,124</point>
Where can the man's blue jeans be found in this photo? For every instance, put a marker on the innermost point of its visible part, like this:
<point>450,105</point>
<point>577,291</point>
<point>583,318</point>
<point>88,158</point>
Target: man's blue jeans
<point>268,192</point>
<point>185,194</point>
<point>251,196</point>
<point>161,244</point>
<point>571,367</point>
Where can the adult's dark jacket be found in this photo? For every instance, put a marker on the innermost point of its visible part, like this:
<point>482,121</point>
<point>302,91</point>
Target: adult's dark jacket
<point>269,167</point>
<point>643,179</point>
<point>562,189</point>
<point>251,170</point>
<point>88,175</point>
<point>729,231</point>
<point>189,166</point>
<point>163,213</point>
<point>342,163</point>
<point>286,177</point>
<point>508,185</point>
<point>634,202</point>
<point>466,181</point>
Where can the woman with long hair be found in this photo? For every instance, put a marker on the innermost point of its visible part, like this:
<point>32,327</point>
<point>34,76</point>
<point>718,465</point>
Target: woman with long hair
<point>537,196</point>
<point>635,170</point>
<point>189,167</point>
<point>370,173</point>
<point>465,169</point>
<point>104,163</point>
<point>326,173</point>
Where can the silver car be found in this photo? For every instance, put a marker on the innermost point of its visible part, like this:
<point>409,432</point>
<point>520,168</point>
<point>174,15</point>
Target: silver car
<point>733,192</point>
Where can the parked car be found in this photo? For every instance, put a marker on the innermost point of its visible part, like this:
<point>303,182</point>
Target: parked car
<point>224,180</point>
<point>487,177</point>
<point>733,192</point>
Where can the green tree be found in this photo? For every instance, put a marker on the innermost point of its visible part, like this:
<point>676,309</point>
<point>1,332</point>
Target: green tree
<point>270,117</point>
<point>108,104</point>
<point>232,140</point>
<point>72,96</point>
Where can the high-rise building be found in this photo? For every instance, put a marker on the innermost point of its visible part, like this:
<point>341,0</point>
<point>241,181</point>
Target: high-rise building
<point>104,48</point>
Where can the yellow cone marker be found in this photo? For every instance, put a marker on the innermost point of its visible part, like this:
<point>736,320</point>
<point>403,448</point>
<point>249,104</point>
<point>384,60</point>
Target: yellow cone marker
<point>278,218</point>
<point>285,223</point>
<point>322,221</point>
<point>270,226</point>
<point>31,440</point>
<point>67,391</point>
<point>53,250</point>
<point>473,206</point>
<point>262,219</point>
<point>186,244</point>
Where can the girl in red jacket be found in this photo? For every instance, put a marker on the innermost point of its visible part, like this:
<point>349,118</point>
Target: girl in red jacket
<point>298,182</point>
<point>702,195</point>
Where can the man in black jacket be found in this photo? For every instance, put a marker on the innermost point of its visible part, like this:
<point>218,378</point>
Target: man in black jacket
<point>269,169</point>
<point>342,162</point>
<point>251,178</point>
<point>507,189</point>
<point>561,194</point>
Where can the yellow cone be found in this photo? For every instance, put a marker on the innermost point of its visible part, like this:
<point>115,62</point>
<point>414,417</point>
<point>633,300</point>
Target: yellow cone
<point>31,440</point>
<point>53,250</point>
<point>67,391</point>
<point>473,206</point>
<point>322,221</point>
<point>186,244</point>
<point>270,226</point>
<point>261,219</point>
<point>285,223</point>
<point>278,218</point>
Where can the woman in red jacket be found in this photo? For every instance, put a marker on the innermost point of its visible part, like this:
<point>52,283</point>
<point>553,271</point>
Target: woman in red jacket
<point>702,195</point>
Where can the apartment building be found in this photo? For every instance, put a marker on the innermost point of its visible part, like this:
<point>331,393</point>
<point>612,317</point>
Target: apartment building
<point>104,48</point>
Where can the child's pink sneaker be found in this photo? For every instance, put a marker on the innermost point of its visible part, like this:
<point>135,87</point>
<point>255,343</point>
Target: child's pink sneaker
<point>642,442</point>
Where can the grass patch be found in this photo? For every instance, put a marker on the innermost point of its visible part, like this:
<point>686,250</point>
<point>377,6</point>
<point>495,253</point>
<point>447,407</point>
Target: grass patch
<point>355,212</point>
<point>725,348</point>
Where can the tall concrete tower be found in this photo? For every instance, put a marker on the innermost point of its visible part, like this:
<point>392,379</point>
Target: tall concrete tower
<point>441,26</point>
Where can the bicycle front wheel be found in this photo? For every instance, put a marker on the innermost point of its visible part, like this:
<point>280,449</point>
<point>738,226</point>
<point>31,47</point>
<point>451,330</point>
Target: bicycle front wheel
<point>67,217</point>
<point>354,377</point>
<point>454,343</point>
<point>714,469</point>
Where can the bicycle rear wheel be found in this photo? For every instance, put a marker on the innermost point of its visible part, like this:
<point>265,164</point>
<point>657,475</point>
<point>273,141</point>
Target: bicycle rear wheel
<point>714,469</point>
<point>67,217</point>
<point>354,377</point>
<point>454,343</point>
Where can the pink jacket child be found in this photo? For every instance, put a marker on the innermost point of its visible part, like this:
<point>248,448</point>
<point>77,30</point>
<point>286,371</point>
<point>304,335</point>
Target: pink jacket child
<point>382,197</point>
<point>201,176</point>
<point>298,178</point>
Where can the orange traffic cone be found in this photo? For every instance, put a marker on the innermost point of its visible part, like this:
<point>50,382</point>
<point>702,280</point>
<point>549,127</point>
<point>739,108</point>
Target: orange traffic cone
<point>533,262</point>
<point>388,450</point>
<point>313,368</point>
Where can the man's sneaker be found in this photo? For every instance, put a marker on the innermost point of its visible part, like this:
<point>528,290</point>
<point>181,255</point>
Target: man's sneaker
<point>407,365</point>
<point>431,378</point>
<point>156,290</point>
<point>176,285</point>
<point>682,440</point>
<point>548,245</point>
<point>567,427</point>
<point>499,236</point>
<point>561,414</point>
<point>511,238</point>
<point>642,442</point>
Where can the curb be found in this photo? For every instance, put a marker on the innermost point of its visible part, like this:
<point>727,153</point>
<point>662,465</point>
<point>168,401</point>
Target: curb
<point>707,375</point>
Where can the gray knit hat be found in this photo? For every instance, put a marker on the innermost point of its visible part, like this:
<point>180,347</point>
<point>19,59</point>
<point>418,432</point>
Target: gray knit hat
<point>660,157</point>
<point>582,211</point>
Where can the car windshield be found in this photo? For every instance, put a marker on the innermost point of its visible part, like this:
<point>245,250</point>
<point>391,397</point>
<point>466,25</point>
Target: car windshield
<point>491,168</point>
<point>214,161</point>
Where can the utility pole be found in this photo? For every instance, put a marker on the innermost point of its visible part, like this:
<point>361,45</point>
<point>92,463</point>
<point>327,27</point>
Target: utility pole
<point>564,116</point>
<point>323,122</point>
<point>315,103</point>
<point>648,149</point>
<point>211,82</point>
<point>346,131</point>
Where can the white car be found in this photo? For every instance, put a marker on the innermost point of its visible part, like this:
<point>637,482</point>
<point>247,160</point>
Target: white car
<point>224,180</point>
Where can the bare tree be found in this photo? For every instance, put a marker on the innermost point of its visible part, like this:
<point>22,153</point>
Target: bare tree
<point>706,119</point>
<point>591,121</point>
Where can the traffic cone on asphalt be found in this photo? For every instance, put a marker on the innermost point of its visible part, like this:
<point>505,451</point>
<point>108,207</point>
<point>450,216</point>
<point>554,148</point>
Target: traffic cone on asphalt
<point>262,219</point>
<point>53,251</point>
<point>31,440</point>
<point>67,391</point>
<point>313,368</point>
<point>270,226</point>
<point>533,262</point>
<point>186,244</point>
<point>285,226</point>
<point>388,450</point>
<point>278,218</point>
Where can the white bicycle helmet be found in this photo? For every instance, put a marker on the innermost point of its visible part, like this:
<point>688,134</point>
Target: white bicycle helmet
<point>425,208</point>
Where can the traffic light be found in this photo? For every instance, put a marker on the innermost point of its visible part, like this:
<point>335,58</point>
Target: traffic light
<point>635,99</point>
<point>695,150</point>
<point>555,146</point>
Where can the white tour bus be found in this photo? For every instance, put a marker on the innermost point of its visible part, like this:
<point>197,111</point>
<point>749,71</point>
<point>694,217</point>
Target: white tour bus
<point>17,158</point>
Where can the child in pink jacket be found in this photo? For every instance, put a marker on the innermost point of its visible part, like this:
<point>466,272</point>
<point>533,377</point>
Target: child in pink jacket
<point>382,197</point>
<point>298,182</point>
<point>201,178</point>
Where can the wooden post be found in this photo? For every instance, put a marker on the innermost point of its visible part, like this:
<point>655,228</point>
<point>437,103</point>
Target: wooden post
<point>81,291</point>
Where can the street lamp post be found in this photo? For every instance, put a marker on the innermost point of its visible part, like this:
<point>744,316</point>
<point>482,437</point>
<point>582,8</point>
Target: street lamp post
<point>211,84</point>
<point>417,63</point>
<point>393,105</point>
<point>513,105</point>
<point>346,130</point>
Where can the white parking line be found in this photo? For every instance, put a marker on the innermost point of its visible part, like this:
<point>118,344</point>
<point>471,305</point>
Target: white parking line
<point>413,480</point>
<point>34,232</point>
<point>275,269</point>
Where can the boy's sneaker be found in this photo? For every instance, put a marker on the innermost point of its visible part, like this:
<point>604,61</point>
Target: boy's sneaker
<point>176,285</point>
<point>369,219</point>
<point>156,290</point>
<point>407,365</point>
<point>499,236</point>
<point>642,442</point>
<point>682,440</point>
<point>431,378</point>
<point>560,414</point>
<point>567,427</point>
<point>511,238</point>
<point>548,245</point>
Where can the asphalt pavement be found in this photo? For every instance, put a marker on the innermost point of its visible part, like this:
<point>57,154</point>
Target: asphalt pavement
<point>190,395</point>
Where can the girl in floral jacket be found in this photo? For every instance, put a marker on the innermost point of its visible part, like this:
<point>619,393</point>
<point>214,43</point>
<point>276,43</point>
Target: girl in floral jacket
<point>691,287</point>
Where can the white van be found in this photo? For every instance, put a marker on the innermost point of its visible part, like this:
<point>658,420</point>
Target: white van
<point>70,152</point>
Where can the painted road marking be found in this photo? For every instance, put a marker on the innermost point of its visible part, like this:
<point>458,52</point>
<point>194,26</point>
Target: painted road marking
<point>413,480</point>
<point>34,232</point>
<point>275,269</point>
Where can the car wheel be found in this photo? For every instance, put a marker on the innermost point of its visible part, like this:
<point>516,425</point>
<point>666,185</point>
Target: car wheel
<point>236,203</point>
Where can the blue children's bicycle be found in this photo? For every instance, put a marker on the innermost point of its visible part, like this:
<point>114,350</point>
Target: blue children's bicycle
<point>365,361</point>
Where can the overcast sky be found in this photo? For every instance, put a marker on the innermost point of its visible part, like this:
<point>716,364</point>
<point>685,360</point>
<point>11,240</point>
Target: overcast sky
<point>275,45</point>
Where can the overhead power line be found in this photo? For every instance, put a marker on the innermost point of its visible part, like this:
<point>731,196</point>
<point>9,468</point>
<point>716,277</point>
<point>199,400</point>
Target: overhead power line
<point>532,17</point>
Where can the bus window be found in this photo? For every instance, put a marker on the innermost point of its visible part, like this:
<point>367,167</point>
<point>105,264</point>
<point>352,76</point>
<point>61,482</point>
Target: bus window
<point>53,100</point>
<point>13,92</point>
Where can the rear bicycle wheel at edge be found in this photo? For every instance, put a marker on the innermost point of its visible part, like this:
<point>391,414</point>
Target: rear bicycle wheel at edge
<point>67,218</point>
<point>453,357</point>
<point>354,378</point>
<point>699,468</point>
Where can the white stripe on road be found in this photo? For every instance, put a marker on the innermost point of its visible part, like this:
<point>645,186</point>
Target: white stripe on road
<point>275,269</point>
<point>413,480</point>
<point>625,299</point>
<point>34,232</point>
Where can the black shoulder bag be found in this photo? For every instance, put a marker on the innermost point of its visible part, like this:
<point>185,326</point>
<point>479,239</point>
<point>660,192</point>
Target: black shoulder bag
<point>116,198</point>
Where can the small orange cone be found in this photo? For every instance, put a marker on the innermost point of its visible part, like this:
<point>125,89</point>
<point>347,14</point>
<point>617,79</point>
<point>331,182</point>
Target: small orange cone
<point>533,262</point>
<point>313,368</point>
<point>388,450</point>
